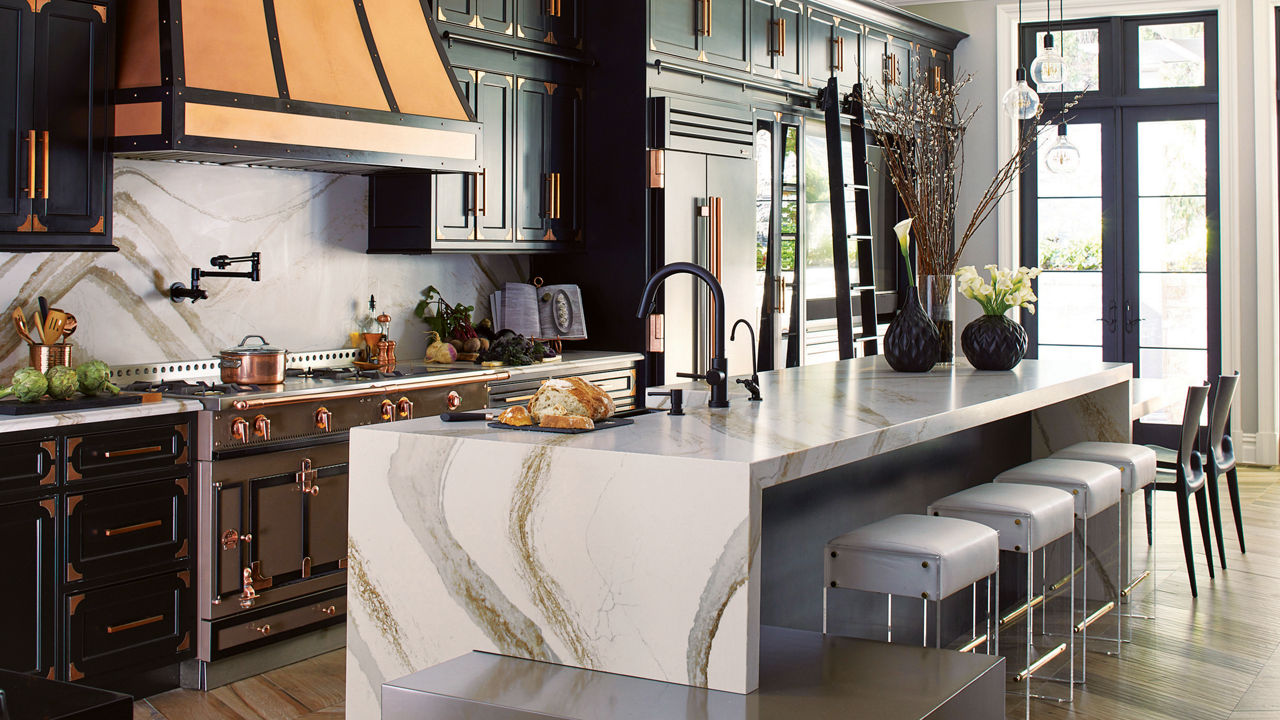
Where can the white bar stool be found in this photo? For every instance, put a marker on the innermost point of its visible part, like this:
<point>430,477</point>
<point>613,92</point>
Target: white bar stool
<point>1137,465</point>
<point>919,556</point>
<point>1096,489</point>
<point>1027,518</point>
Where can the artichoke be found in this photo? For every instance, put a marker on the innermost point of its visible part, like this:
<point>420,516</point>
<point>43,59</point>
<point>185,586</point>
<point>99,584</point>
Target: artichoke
<point>93,377</point>
<point>62,382</point>
<point>28,385</point>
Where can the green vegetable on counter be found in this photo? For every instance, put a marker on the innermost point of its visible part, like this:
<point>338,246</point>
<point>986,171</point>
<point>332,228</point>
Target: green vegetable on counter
<point>94,377</point>
<point>29,385</point>
<point>63,382</point>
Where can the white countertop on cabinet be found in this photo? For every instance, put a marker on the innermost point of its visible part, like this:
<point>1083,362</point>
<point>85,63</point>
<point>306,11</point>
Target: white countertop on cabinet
<point>14,423</point>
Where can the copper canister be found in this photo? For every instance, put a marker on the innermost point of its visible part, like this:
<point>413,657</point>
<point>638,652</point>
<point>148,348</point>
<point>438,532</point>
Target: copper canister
<point>44,357</point>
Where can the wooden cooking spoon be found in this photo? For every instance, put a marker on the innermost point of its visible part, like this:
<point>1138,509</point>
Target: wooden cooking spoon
<point>20,322</point>
<point>68,326</point>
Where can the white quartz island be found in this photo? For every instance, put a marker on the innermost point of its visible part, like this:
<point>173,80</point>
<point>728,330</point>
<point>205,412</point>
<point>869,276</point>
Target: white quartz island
<point>638,550</point>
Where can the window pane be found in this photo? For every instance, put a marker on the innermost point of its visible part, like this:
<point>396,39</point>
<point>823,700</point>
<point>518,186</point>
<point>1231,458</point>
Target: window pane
<point>1171,157</point>
<point>1171,55</point>
<point>1070,234</point>
<point>790,157</point>
<point>1173,234</point>
<point>1069,308</point>
<point>1086,181</point>
<point>1079,49</point>
<point>1173,308</point>
<point>1185,366</point>
<point>1059,354</point>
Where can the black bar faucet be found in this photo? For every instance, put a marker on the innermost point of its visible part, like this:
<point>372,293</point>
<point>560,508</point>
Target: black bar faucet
<point>752,384</point>
<point>718,375</point>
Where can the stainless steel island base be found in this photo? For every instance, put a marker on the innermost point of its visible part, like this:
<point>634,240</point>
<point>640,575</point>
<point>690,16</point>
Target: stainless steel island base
<point>802,675</point>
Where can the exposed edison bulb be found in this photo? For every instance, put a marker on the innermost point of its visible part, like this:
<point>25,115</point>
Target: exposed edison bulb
<point>1048,68</point>
<point>1020,102</point>
<point>1063,157</point>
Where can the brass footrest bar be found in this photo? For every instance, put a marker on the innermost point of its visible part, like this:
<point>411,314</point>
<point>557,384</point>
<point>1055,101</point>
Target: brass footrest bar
<point>973,644</point>
<point>1058,585</point>
<point>1044,660</point>
<point>1129,588</point>
<point>1021,610</point>
<point>1095,616</point>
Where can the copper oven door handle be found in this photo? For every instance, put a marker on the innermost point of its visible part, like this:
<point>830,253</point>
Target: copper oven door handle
<point>44,191</point>
<point>112,532</point>
<point>112,629</point>
<point>31,164</point>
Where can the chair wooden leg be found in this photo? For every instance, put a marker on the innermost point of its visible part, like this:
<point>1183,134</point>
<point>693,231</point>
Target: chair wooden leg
<point>1233,486</point>
<point>1202,509</point>
<point>1150,491</point>
<point>1215,502</point>
<point>1184,520</point>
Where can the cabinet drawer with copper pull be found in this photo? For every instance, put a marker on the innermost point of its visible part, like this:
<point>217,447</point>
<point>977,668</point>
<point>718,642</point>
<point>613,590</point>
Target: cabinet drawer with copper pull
<point>126,451</point>
<point>127,530</point>
<point>309,616</point>
<point>620,384</point>
<point>28,465</point>
<point>144,622</point>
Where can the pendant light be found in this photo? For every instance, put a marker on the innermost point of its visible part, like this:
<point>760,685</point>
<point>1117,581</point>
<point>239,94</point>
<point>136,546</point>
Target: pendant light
<point>1020,102</point>
<point>1049,66</point>
<point>1063,157</point>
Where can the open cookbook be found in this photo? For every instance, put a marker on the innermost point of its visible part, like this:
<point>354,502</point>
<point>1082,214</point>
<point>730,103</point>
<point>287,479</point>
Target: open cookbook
<point>549,312</point>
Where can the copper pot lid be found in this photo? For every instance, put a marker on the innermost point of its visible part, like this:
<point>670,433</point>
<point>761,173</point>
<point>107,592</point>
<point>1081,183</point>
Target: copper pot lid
<point>260,349</point>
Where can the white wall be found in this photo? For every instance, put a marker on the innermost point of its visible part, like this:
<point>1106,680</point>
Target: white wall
<point>1246,304</point>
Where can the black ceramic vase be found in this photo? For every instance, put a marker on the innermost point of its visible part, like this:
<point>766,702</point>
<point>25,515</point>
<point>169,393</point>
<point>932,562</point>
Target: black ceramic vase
<point>994,342</point>
<point>911,343</point>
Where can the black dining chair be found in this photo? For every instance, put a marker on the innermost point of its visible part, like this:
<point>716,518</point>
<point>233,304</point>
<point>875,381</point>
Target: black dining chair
<point>1187,478</point>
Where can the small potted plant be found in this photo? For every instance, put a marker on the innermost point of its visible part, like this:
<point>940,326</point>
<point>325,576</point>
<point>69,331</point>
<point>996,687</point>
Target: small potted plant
<point>911,342</point>
<point>995,341</point>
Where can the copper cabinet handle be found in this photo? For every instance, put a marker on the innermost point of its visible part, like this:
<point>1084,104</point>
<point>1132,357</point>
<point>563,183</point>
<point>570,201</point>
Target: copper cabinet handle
<point>482,197</point>
<point>557,191</point>
<point>330,610</point>
<point>521,398</point>
<point>132,451</point>
<point>717,230</point>
<point>264,629</point>
<point>44,191</point>
<point>780,302</point>
<point>31,165</point>
<point>839,63</point>
<point>782,37</point>
<point>710,14</point>
<point>111,532</point>
<point>113,629</point>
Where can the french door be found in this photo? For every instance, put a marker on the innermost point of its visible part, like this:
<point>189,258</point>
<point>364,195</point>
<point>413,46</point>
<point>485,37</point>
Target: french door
<point>1128,242</point>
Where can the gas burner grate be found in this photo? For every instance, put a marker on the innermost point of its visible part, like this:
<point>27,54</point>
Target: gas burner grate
<point>340,373</point>
<point>187,388</point>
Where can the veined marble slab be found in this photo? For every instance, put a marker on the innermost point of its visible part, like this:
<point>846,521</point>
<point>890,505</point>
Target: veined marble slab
<point>636,550</point>
<point>14,423</point>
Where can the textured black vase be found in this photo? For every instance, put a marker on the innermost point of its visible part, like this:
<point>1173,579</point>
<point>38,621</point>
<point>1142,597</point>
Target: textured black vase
<point>994,342</point>
<point>911,343</point>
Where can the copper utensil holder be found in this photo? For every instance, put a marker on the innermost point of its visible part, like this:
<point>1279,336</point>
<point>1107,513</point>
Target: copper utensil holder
<point>44,357</point>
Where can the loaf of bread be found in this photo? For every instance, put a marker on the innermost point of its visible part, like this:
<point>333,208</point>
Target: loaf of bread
<point>570,396</point>
<point>517,415</point>
<point>576,422</point>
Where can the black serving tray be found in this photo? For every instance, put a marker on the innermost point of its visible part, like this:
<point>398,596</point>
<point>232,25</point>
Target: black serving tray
<point>600,425</point>
<point>12,406</point>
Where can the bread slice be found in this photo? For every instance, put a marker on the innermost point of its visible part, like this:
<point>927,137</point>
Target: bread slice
<point>517,415</point>
<point>575,422</point>
<point>570,396</point>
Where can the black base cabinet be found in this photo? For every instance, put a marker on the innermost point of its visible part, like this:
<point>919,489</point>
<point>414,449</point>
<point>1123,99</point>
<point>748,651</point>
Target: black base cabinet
<point>55,193</point>
<point>95,521</point>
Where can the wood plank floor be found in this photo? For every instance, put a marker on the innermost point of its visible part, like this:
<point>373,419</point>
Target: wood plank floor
<point>1212,658</point>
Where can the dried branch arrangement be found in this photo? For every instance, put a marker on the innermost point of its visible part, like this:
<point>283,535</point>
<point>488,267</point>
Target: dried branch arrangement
<point>922,130</point>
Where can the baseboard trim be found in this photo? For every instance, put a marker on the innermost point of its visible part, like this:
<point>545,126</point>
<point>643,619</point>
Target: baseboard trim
<point>1260,448</point>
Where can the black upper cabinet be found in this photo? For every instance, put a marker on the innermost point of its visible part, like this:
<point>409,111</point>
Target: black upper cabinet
<point>713,31</point>
<point>491,15</point>
<point>556,22</point>
<point>834,48</point>
<point>28,604</point>
<point>55,80</point>
<point>548,119</point>
<point>775,39</point>
<point>17,37</point>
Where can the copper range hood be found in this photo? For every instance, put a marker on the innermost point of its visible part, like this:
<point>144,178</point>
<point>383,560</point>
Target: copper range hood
<point>351,86</point>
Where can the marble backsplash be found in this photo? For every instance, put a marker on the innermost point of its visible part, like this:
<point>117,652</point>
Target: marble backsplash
<point>316,278</point>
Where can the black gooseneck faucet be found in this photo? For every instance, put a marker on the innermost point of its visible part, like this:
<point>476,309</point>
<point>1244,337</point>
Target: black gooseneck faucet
<point>752,384</point>
<point>718,375</point>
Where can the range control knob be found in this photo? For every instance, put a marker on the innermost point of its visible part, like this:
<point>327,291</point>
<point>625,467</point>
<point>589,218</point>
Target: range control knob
<point>455,400</point>
<point>240,429</point>
<point>324,419</point>
<point>388,411</point>
<point>262,427</point>
<point>404,406</point>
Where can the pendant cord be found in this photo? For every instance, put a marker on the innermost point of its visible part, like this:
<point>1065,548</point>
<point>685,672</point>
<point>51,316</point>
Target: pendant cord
<point>1019,33</point>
